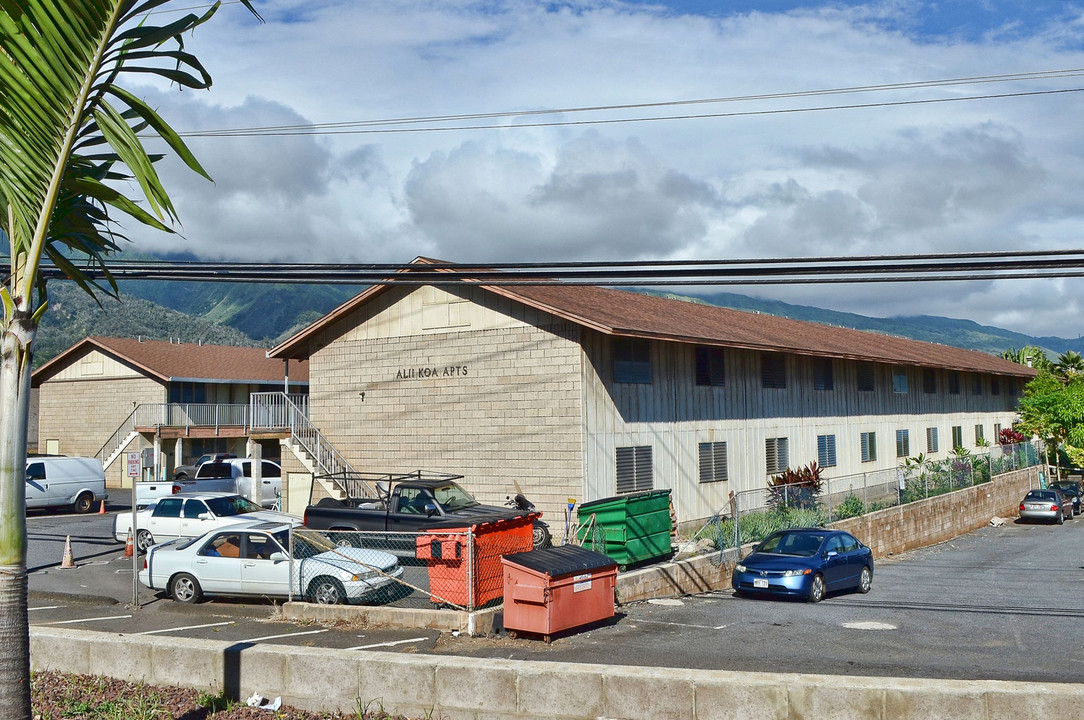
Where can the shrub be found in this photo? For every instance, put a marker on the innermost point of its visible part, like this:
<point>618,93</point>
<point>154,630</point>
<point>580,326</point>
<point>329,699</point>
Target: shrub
<point>851,507</point>
<point>795,489</point>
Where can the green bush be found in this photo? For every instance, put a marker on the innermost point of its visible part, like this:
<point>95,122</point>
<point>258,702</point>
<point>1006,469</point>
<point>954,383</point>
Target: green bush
<point>851,507</point>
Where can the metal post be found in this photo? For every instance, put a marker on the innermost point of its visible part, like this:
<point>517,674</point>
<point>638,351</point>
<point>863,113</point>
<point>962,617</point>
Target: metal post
<point>470,569</point>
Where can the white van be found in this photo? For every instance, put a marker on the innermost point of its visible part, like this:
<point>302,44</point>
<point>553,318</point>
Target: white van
<point>56,481</point>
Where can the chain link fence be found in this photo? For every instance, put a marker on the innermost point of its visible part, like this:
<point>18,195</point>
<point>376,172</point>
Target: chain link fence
<point>754,514</point>
<point>456,568</point>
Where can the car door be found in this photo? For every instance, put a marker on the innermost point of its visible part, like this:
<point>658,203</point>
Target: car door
<point>855,558</point>
<point>271,483</point>
<point>835,563</point>
<point>218,564</point>
<point>260,575</point>
<point>36,485</point>
<point>191,523</point>
<point>165,522</point>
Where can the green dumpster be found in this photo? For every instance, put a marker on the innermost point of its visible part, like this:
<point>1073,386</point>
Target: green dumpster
<point>630,529</point>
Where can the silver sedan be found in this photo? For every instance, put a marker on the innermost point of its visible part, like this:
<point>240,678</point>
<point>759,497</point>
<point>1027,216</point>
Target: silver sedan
<point>1048,504</point>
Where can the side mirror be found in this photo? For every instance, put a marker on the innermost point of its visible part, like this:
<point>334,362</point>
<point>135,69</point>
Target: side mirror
<point>430,509</point>
<point>831,553</point>
<point>203,516</point>
<point>278,557</point>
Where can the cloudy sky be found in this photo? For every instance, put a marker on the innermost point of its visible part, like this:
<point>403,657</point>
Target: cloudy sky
<point>751,182</point>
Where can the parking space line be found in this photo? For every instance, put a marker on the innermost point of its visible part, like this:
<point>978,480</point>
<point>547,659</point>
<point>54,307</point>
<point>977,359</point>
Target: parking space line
<point>285,635</point>
<point>186,627</point>
<point>677,624</point>
<point>45,607</point>
<point>83,620</point>
<point>387,644</point>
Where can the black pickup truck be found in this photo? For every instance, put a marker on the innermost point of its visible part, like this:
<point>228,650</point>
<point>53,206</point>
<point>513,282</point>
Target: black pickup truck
<point>408,503</point>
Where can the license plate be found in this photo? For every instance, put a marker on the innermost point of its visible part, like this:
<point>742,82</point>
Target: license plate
<point>760,583</point>
<point>1031,506</point>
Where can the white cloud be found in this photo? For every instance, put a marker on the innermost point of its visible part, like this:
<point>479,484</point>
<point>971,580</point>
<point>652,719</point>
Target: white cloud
<point>959,176</point>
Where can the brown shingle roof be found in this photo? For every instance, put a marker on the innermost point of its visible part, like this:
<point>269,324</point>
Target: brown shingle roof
<point>183,361</point>
<point>623,313</point>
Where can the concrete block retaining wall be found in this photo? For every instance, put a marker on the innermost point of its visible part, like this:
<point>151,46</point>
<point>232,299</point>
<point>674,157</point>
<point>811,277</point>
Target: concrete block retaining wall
<point>459,688</point>
<point>887,532</point>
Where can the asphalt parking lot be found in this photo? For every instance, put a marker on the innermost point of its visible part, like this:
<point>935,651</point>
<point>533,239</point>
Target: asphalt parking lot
<point>1000,603</point>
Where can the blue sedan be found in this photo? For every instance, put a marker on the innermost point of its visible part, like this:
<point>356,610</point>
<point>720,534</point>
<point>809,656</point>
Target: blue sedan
<point>805,563</point>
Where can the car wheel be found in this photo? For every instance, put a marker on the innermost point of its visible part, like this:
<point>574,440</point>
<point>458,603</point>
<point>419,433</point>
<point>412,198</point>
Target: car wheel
<point>326,591</point>
<point>83,503</point>
<point>816,589</point>
<point>865,580</point>
<point>143,540</point>
<point>180,476</point>
<point>185,588</point>
<point>1060,519</point>
<point>540,537</point>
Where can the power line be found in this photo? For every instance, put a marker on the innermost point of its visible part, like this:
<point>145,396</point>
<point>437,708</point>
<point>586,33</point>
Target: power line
<point>396,125</point>
<point>939,267</point>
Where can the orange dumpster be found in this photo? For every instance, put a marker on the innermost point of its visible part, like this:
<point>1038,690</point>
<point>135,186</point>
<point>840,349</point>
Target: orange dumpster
<point>547,591</point>
<point>449,559</point>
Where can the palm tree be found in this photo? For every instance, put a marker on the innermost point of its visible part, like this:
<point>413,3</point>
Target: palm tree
<point>68,135</point>
<point>1070,363</point>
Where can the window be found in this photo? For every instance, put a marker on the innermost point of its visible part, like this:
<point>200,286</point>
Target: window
<point>979,436</point>
<point>773,370</point>
<point>826,450</point>
<point>995,386</point>
<point>866,377</point>
<point>1011,382</point>
<point>869,447</point>
<point>976,384</point>
<point>823,377</point>
<point>997,430</point>
<point>957,436</point>
<point>954,383</point>
<point>187,392</point>
<point>168,507</point>
<point>633,469</point>
<point>35,471</point>
<point>931,440</point>
<point>929,381</point>
<point>632,361</point>
<point>903,444</point>
<point>713,462</point>
<point>710,368</point>
<point>777,455</point>
<point>899,380</point>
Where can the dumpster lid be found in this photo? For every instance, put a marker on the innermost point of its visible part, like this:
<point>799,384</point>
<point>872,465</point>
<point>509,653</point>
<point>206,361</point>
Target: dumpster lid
<point>621,498</point>
<point>560,560</point>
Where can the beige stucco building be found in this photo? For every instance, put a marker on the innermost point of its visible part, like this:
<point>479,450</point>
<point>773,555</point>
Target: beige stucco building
<point>585,392</point>
<point>105,397</point>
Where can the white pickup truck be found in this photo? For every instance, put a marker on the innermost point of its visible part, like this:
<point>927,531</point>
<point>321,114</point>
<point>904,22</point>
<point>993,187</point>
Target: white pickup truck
<point>229,475</point>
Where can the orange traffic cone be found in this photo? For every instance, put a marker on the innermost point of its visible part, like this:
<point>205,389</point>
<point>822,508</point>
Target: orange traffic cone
<point>67,561</point>
<point>101,508</point>
<point>129,546</point>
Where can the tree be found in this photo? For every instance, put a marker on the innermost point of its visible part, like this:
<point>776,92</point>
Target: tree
<point>1030,355</point>
<point>1069,363</point>
<point>1053,409</point>
<point>69,134</point>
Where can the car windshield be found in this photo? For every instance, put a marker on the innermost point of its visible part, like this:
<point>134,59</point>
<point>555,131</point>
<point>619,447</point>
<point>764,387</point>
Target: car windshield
<point>453,497</point>
<point>791,543</point>
<point>231,505</point>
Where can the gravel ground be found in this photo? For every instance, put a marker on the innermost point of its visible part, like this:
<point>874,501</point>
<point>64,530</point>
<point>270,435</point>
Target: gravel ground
<point>85,697</point>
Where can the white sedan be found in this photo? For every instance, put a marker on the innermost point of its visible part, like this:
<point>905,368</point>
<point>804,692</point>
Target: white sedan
<point>252,559</point>
<point>189,515</point>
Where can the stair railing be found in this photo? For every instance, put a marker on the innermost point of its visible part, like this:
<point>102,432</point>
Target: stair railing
<point>280,411</point>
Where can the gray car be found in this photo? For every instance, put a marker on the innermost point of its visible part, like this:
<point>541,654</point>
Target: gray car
<point>1048,504</point>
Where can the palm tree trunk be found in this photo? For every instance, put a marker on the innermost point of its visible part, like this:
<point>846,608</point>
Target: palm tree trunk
<point>15,369</point>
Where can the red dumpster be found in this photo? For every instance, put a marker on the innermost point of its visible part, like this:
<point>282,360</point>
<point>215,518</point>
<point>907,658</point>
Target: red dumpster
<point>547,591</point>
<point>449,559</point>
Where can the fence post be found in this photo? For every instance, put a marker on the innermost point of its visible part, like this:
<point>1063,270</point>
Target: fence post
<point>471,549</point>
